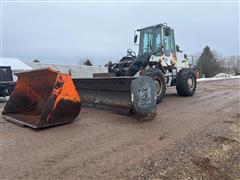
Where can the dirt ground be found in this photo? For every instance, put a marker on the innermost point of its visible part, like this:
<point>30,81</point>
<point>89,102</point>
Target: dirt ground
<point>190,138</point>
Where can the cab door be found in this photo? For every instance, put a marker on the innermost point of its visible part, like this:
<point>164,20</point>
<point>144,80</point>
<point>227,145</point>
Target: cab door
<point>146,41</point>
<point>169,41</point>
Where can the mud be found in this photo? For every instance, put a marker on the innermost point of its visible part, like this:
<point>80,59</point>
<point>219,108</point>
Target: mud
<point>190,137</point>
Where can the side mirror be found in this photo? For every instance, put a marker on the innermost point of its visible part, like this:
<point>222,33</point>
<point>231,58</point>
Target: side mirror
<point>178,49</point>
<point>185,56</point>
<point>135,38</point>
<point>167,31</point>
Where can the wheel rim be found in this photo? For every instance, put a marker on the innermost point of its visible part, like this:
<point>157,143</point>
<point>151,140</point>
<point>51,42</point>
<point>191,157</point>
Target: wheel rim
<point>158,85</point>
<point>191,83</point>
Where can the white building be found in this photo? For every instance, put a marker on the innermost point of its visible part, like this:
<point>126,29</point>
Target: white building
<point>76,71</point>
<point>16,65</point>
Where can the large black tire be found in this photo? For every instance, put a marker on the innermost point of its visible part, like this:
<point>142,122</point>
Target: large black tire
<point>159,80</point>
<point>186,82</point>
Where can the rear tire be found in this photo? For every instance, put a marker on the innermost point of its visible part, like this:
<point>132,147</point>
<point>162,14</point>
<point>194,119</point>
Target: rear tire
<point>159,80</point>
<point>186,82</point>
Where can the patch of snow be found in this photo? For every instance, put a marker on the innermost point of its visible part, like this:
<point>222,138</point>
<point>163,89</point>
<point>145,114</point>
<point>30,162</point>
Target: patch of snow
<point>218,78</point>
<point>222,75</point>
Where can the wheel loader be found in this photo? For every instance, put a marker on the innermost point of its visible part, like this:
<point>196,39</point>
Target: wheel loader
<point>133,86</point>
<point>160,58</point>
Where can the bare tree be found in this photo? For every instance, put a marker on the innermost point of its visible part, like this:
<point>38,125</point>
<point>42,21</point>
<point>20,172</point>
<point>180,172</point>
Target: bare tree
<point>232,64</point>
<point>236,64</point>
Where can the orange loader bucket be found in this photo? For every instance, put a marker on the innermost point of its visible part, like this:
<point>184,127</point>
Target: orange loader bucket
<point>43,98</point>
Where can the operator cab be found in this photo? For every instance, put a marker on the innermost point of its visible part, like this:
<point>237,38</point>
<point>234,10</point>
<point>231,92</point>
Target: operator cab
<point>158,39</point>
<point>157,48</point>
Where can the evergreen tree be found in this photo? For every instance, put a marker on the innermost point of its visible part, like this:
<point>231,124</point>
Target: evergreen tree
<point>109,64</point>
<point>87,63</point>
<point>36,61</point>
<point>207,63</point>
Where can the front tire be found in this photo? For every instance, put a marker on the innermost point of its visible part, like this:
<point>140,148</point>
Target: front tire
<point>159,80</point>
<point>186,82</point>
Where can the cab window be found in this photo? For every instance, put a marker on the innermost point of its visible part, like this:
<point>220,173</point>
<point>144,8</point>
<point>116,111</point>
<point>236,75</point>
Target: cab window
<point>173,46</point>
<point>147,41</point>
<point>167,44</point>
<point>158,42</point>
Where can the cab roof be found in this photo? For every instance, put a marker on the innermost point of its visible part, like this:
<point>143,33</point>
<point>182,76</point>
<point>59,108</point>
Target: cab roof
<point>154,26</point>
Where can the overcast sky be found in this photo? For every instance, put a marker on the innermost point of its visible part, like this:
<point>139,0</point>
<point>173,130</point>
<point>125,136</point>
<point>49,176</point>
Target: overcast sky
<point>69,32</point>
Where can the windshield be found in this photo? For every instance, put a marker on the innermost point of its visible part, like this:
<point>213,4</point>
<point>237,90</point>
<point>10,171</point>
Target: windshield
<point>147,40</point>
<point>150,40</point>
